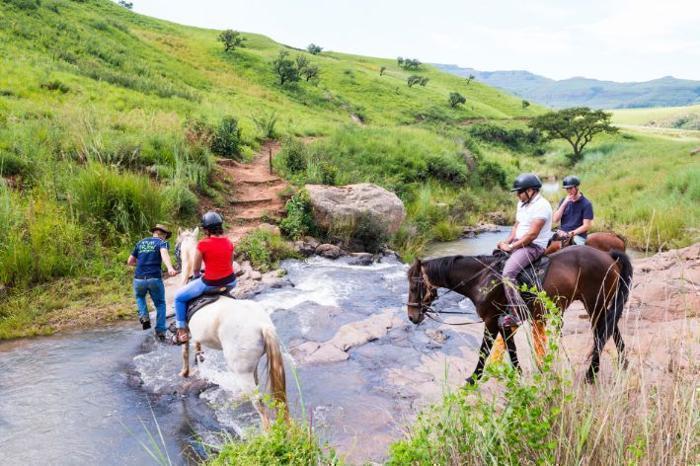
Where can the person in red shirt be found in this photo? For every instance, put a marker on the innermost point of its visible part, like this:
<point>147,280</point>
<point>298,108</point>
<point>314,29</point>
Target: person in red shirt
<point>216,252</point>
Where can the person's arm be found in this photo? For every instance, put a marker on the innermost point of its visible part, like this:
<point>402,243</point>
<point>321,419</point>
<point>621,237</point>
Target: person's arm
<point>530,236</point>
<point>131,260</point>
<point>197,268</point>
<point>166,260</point>
<point>556,217</point>
<point>510,238</point>
<point>587,224</point>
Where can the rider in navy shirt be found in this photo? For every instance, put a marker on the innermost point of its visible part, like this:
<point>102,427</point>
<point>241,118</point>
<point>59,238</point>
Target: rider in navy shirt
<point>147,256</point>
<point>575,212</point>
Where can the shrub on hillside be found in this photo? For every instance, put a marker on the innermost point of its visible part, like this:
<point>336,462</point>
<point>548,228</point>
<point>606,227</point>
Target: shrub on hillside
<point>264,249</point>
<point>227,139</point>
<point>24,4</point>
<point>266,122</point>
<point>14,165</point>
<point>294,156</point>
<point>179,201</point>
<point>314,49</point>
<point>455,99</point>
<point>299,220</point>
<point>114,202</point>
<point>491,174</point>
<point>55,85</point>
<point>231,40</point>
<point>515,139</point>
<point>285,68</point>
<point>447,169</point>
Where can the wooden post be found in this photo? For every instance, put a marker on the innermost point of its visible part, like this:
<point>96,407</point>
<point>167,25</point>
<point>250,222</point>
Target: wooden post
<point>269,149</point>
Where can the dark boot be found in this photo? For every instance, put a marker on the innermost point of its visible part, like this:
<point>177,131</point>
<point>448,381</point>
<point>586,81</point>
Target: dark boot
<point>145,322</point>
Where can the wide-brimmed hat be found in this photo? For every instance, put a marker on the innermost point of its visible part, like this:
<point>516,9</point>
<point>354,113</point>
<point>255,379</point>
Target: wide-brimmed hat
<point>163,228</point>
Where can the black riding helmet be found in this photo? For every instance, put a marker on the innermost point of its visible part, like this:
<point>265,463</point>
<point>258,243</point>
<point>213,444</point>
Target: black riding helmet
<point>212,221</point>
<point>525,181</point>
<point>570,182</point>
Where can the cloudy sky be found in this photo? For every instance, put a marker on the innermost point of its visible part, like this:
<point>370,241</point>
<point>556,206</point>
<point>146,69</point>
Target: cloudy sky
<point>620,40</point>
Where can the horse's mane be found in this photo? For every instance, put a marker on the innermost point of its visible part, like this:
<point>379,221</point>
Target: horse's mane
<point>439,269</point>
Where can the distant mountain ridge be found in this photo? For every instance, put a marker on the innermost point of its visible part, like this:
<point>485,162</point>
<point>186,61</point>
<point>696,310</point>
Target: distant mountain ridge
<point>663,92</point>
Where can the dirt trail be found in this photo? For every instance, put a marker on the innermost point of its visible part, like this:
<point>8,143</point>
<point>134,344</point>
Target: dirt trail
<point>254,198</point>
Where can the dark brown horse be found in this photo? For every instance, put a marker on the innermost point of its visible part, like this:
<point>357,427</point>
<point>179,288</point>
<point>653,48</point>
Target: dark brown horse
<point>605,241</point>
<point>579,273</point>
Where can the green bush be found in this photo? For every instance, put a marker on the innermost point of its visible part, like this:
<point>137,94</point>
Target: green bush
<point>368,234</point>
<point>284,444</point>
<point>55,85</point>
<point>514,139</point>
<point>13,165</point>
<point>179,201</point>
<point>299,220</point>
<point>264,249</point>
<point>294,156</point>
<point>227,139</point>
<point>447,169</point>
<point>116,202</point>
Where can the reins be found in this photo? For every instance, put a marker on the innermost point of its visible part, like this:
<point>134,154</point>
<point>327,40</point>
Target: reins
<point>427,309</point>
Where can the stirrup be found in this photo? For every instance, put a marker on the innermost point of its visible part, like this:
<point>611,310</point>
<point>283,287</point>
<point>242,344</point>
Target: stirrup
<point>180,340</point>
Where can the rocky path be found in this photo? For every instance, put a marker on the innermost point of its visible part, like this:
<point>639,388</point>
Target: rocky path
<point>255,196</point>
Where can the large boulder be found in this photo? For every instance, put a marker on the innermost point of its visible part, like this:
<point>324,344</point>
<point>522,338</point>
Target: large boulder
<point>345,205</point>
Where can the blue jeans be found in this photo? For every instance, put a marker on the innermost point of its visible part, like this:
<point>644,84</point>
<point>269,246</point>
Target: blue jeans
<point>579,240</point>
<point>154,287</point>
<point>190,291</point>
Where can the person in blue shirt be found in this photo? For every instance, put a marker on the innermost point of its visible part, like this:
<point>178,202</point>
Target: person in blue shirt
<point>575,212</point>
<point>148,256</point>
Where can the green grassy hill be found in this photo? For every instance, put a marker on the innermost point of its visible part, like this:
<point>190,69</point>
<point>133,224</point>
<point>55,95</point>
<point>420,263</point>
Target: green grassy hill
<point>683,118</point>
<point>106,119</point>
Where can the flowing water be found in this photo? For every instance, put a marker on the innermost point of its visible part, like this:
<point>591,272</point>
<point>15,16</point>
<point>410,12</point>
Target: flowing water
<point>108,396</point>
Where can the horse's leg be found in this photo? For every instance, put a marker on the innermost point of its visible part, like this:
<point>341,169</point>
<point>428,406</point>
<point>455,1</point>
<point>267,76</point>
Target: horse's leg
<point>198,353</point>
<point>490,332</point>
<point>498,349</point>
<point>185,360</point>
<point>620,345</point>
<point>509,336</point>
<point>539,336</point>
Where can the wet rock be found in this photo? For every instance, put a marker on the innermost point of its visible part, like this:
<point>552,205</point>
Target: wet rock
<point>472,231</point>
<point>311,241</point>
<point>361,258</point>
<point>438,336</point>
<point>304,248</point>
<point>255,275</point>
<point>326,354</point>
<point>345,205</point>
<point>329,251</point>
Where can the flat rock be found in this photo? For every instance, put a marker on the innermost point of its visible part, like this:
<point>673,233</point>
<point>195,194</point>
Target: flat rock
<point>361,258</point>
<point>329,251</point>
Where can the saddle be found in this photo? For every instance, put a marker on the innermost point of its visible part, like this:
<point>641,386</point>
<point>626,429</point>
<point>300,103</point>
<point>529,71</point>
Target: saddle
<point>532,276</point>
<point>207,298</point>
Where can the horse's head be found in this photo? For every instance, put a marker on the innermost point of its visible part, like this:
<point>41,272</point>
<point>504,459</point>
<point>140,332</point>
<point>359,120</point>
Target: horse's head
<point>187,238</point>
<point>421,293</point>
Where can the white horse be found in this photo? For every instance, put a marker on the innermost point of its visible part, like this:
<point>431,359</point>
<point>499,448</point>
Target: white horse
<point>243,331</point>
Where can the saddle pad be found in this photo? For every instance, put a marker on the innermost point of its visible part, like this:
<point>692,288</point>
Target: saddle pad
<point>532,275</point>
<point>207,298</point>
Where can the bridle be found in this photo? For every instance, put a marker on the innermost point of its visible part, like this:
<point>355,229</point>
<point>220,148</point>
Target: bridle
<point>428,311</point>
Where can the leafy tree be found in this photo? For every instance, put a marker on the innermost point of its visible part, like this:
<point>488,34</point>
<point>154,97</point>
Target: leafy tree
<point>301,62</point>
<point>314,49</point>
<point>577,126</point>
<point>285,68</point>
<point>525,103</point>
<point>125,4</point>
<point>382,70</point>
<point>413,80</point>
<point>469,78</point>
<point>231,40</point>
<point>311,72</point>
<point>456,98</point>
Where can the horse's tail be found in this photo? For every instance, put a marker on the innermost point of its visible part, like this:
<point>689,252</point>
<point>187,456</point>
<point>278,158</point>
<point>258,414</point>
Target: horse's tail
<point>624,285</point>
<point>275,367</point>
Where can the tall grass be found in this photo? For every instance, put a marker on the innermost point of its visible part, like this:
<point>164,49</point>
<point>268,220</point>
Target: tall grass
<point>548,418</point>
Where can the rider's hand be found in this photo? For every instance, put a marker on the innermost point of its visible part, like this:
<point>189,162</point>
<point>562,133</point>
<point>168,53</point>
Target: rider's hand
<point>502,245</point>
<point>172,272</point>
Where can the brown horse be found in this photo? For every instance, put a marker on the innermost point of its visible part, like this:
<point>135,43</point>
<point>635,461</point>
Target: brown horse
<point>600,280</point>
<point>605,241</point>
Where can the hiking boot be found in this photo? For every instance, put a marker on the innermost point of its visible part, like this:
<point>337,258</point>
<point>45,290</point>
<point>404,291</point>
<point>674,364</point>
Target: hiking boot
<point>182,335</point>
<point>508,320</point>
<point>145,322</point>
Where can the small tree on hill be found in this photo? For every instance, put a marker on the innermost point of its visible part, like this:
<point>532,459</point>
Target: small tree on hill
<point>127,5</point>
<point>525,103</point>
<point>301,62</point>
<point>456,98</point>
<point>285,68</point>
<point>382,70</point>
<point>231,40</point>
<point>469,79</point>
<point>311,72</point>
<point>314,49</point>
<point>413,80</point>
<point>577,126</point>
